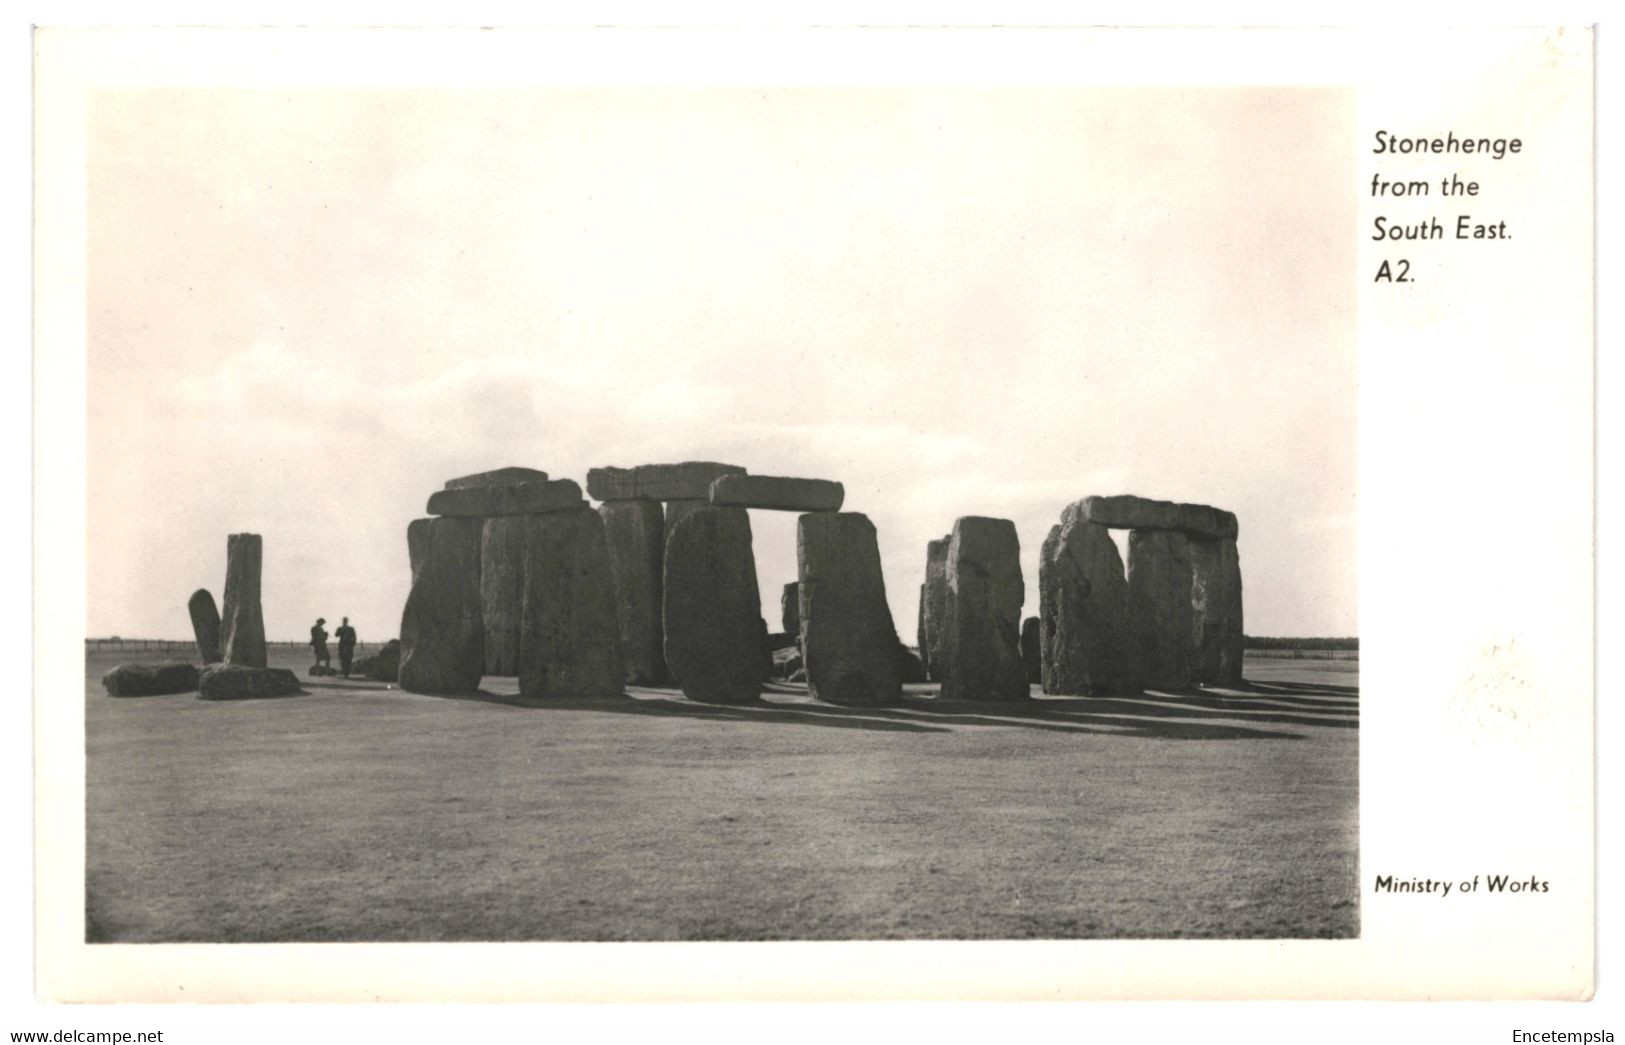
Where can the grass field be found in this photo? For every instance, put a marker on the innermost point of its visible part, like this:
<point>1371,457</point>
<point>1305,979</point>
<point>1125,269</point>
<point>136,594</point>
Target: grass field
<point>359,812</point>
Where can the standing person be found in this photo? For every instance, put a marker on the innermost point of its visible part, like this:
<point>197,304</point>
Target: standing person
<point>346,637</point>
<point>318,643</point>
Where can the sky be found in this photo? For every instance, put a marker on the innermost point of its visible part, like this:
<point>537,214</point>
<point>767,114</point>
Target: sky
<point>307,309</point>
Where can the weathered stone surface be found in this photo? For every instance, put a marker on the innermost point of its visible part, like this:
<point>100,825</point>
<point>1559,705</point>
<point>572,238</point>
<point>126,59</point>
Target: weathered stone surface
<point>713,608</point>
<point>321,670</point>
<point>385,665</point>
<point>570,642</point>
<point>677,511</point>
<point>442,627</point>
<point>502,591</point>
<point>241,682</point>
<point>910,670</point>
<point>1083,613</point>
<point>1127,512</point>
<point>636,534</point>
<point>511,476</point>
<point>981,651</point>
<point>686,481</point>
<point>1031,659</point>
<point>242,625</point>
<point>1159,607</point>
<point>777,493</point>
<point>849,642</point>
<point>1216,624</point>
<point>483,502</point>
<point>790,609</point>
<point>786,662</point>
<point>933,629</point>
<point>205,625</point>
<point>151,680</point>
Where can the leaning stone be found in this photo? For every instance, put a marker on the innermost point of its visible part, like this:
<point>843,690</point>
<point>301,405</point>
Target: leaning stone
<point>1127,512</point>
<point>497,477</point>
<point>777,493</point>
<point>1030,656</point>
<point>712,608</point>
<point>848,639</point>
<point>635,531</point>
<point>981,651</point>
<point>933,628</point>
<point>555,495</point>
<point>442,628</point>
<point>240,682</point>
<point>1159,607</point>
<point>150,680</point>
<point>242,625</point>
<point>205,625</point>
<point>1216,624</point>
<point>687,481</point>
<point>790,609</point>
<point>570,638</point>
<point>502,591</point>
<point>1083,613</point>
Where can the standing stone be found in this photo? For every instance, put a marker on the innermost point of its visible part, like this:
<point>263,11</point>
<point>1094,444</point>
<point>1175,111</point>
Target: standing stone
<point>205,625</point>
<point>570,637</point>
<point>502,591</point>
<point>1031,659</point>
<point>635,531</point>
<point>849,642</point>
<point>1083,613</point>
<point>981,652</point>
<point>442,627</point>
<point>919,637</point>
<point>678,510</point>
<point>790,609</point>
<point>934,608</point>
<point>1216,625</point>
<point>1159,607</point>
<point>242,625</point>
<point>712,608</point>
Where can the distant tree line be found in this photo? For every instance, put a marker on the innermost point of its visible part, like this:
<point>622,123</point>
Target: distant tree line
<point>1268,642</point>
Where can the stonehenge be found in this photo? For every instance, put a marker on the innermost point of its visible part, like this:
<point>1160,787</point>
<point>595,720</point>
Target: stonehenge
<point>570,638</point>
<point>850,644</point>
<point>1031,657</point>
<point>241,682</point>
<point>1170,619</point>
<point>777,493</point>
<point>502,591</point>
<point>636,536</point>
<point>205,625</point>
<point>443,625</point>
<point>790,610</point>
<point>980,652</point>
<point>934,607</point>
<point>151,680</point>
<point>242,626</point>
<point>712,608</point>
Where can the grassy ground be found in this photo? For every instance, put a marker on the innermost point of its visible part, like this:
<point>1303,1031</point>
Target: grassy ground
<point>358,812</point>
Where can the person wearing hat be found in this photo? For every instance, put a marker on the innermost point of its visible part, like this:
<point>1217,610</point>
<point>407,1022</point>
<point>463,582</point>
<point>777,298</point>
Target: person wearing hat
<point>318,642</point>
<point>346,637</point>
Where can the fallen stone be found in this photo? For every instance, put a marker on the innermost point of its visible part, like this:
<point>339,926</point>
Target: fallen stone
<point>241,682</point>
<point>1083,613</point>
<point>981,651</point>
<point>205,625</point>
<point>383,665</point>
<point>150,680</point>
<point>790,610</point>
<point>570,637</point>
<point>502,591</point>
<point>512,476</point>
<point>1127,512</point>
<point>635,531</point>
<point>1159,607</point>
<point>786,662</point>
<point>483,502</point>
<point>933,627</point>
<point>242,626</point>
<point>712,608</point>
<point>798,675</point>
<point>848,639</point>
<point>322,670</point>
<point>442,627</point>
<point>686,481</point>
<point>777,493</point>
<point>1031,659</point>
<point>1216,623</point>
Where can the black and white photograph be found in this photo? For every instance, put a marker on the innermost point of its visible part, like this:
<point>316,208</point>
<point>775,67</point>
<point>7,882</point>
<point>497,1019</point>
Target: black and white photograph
<point>656,509</point>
